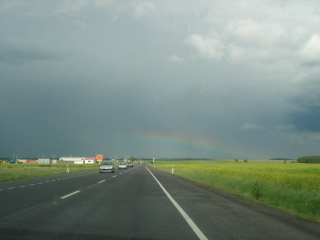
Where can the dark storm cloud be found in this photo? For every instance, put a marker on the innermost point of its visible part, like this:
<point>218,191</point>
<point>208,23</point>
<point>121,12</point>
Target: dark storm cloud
<point>163,79</point>
<point>308,121</point>
<point>19,53</point>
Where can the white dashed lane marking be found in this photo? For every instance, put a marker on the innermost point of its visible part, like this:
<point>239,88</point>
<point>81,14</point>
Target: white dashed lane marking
<point>69,194</point>
<point>59,179</point>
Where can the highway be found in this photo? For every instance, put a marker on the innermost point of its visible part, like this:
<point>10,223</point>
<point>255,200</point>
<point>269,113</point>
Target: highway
<point>138,203</point>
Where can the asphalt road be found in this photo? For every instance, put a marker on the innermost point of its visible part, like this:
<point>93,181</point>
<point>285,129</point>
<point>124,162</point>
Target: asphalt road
<point>140,203</point>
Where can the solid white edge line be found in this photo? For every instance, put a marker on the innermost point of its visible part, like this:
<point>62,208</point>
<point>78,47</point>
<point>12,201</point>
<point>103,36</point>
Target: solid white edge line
<point>70,194</point>
<point>101,181</point>
<point>193,226</point>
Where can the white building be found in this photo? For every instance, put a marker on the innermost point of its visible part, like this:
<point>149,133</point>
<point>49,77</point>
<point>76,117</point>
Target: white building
<point>77,160</point>
<point>71,159</point>
<point>89,161</point>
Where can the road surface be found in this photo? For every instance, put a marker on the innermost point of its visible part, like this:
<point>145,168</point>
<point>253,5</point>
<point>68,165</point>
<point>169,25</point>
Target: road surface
<point>140,203</point>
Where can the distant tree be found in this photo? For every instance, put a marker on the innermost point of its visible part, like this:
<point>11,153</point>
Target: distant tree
<point>132,159</point>
<point>245,160</point>
<point>284,161</point>
<point>236,160</point>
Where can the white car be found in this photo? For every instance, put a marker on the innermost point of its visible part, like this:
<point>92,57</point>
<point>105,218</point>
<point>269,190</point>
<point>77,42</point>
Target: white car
<point>123,165</point>
<point>106,167</point>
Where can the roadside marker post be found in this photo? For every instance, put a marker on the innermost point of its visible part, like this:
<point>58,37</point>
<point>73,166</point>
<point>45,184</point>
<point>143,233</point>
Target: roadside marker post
<point>67,169</point>
<point>172,169</point>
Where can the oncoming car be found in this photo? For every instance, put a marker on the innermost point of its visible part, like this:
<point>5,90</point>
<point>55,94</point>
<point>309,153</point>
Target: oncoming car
<point>130,164</point>
<point>106,167</point>
<point>123,165</point>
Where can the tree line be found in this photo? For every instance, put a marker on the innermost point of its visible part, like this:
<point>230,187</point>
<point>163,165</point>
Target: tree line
<point>309,159</point>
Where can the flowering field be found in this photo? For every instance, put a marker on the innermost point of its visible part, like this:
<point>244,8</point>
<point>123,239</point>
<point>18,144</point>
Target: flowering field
<point>292,187</point>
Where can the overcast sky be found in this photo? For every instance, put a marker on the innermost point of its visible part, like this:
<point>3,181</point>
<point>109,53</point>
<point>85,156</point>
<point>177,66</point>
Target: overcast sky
<point>209,79</point>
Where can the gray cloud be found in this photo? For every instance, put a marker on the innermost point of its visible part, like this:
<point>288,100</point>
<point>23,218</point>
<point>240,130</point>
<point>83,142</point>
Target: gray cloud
<point>252,126</point>
<point>19,53</point>
<point>160,79</point>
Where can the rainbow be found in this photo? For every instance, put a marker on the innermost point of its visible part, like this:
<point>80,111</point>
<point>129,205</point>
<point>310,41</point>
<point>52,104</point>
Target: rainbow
<point>179,141</point>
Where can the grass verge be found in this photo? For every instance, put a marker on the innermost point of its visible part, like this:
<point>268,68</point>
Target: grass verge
<point>11,172</point>
<point>293,188</point>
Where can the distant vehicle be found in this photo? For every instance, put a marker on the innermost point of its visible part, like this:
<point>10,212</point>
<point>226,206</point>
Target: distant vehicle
<point>123,165</point>
<point>129,164</point>
<point>106,167</point>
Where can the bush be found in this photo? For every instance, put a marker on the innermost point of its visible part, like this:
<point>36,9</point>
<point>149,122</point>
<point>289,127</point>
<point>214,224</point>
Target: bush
<point>245,160</point>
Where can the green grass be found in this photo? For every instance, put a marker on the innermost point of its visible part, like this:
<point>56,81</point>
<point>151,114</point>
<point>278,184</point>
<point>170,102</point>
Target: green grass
<point>291,187</point>
<point>11,172</point>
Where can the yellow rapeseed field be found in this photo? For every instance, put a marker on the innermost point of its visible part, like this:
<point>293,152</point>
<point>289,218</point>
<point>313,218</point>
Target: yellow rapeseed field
<point>301,176</point>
